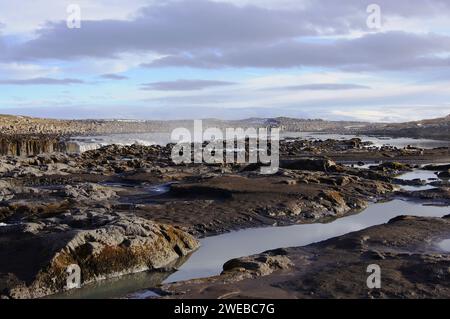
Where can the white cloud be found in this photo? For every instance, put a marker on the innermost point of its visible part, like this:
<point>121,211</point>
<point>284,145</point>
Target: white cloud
<point>21,71</point>
<point>25,16</point>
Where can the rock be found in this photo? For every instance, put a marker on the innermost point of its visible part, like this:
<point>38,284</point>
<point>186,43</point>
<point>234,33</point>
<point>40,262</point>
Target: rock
<point>36,265</point>
<point>6,190</point>
<point>88,191</point>
<point>441,194</point>
<point>444,175</point>
<point>25,145</point>
<point>394,166</point>
<point>439,168</point>
<point>258,265</point>
<point>310,164</point>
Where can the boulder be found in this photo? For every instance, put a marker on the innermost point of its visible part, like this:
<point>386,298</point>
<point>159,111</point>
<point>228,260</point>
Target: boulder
<point>439,168</point>
<point>444,175</point>
<point>88,191</point>
<point>107,246</point>
<point>258,265</point>
<point>310,164</point>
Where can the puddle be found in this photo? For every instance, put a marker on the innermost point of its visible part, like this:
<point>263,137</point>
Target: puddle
<point>427,176</point>
<point>116,287</point>
<point>445,245</point>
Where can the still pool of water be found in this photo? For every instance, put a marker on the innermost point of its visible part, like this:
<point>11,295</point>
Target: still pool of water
<point>427,176</point>
<point>215,251</point>
<point>419,173</point>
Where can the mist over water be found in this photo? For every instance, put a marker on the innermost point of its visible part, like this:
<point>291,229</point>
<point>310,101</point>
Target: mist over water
<point>86,143</point>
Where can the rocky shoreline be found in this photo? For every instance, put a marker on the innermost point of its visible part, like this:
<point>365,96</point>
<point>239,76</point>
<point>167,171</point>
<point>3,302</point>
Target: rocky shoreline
<point>124,209</point>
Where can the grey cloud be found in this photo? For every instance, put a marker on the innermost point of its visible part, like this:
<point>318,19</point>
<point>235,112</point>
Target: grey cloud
<point>41,81</point>
<point>193,25</point>
<point>207,34</point>
<point>405,8</point>
<point>386,51</point>
<point>184,85</point>
<point>172,27</point>
<point>114,77</point>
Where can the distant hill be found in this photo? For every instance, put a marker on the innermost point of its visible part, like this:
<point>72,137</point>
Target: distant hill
<point>438,128</point>
<point>13,125</point>
<point>17,125</point>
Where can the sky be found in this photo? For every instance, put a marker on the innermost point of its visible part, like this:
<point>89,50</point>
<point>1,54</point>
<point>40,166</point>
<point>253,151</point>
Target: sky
<point>230,59</point>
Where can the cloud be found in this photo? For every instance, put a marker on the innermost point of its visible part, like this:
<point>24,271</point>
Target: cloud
<point>194,27</point>
<point>26,71</point>
<point>319,12</point>
<point>323,87</point>
<point>42,81</point>
<point>114,77</point>
<point>207,34</point>
<point>166,28</point>
<point>184,85</point>
<point>24,16</point>
<point>369,52</point>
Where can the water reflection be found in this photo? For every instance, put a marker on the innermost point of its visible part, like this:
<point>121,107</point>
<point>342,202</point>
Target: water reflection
<point>120,286</point>
<point>215,251</point>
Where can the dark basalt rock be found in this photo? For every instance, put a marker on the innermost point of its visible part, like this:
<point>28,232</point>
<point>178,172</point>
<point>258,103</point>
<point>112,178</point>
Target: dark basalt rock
<point>27,145</point>
<point>310,164</point>
<point>438,168</point>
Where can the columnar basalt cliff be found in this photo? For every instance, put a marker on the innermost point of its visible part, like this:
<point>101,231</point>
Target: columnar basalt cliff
<point>25,145</point>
